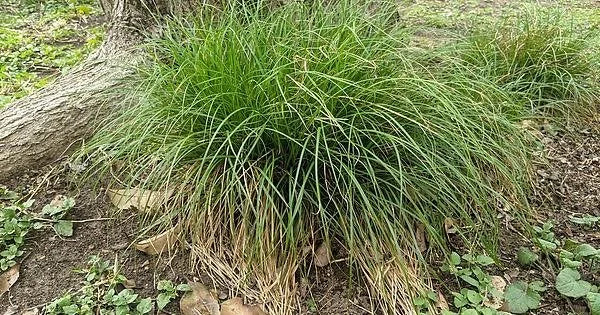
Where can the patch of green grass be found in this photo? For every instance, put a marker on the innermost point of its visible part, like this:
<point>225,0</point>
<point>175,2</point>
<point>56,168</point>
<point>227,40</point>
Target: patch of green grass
<point>463,15</point>
<point>39,40</point>
<point>543,58</point>
<point>308,124</point>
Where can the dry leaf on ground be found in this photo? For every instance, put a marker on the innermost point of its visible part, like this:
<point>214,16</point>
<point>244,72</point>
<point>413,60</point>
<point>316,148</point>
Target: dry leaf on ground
<point>58,201</point>
<point>236,306</point>
<point>449,226</point>
<point>8,278</point>
<point>441,303</point>
<point>159,243</point>
<point>199,301</point>
<point>34,311</point>
<point>141,199</point>
<point>129,284</point>
<point>323,255</point>
<point>499,284</point>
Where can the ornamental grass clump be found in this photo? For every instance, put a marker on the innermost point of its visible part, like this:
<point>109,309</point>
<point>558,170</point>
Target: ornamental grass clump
<point>546,59</point>
<point>312,124</point>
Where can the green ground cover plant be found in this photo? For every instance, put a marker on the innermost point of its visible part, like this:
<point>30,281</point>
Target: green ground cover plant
<point>104,291</point>
<point>17,220</point>
<point>283,128</point>
<point>571,260</point>
<point>41,39</point>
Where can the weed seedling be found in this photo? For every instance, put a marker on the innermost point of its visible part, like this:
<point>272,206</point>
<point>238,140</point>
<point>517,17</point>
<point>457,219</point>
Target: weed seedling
<point>104,292</point>
<point>55,211</point>
<point>14,226</point>
<point>168,291</point>
<point>469,268</point>
<point>101,293</point>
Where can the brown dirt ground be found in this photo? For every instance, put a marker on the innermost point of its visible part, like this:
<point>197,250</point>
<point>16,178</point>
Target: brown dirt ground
<point>46,271</point>
<point>567,182</point>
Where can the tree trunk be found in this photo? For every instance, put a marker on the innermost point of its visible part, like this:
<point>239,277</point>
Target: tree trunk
<point>43,127</point>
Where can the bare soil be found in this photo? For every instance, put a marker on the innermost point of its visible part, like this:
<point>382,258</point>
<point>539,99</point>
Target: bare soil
<point>47,271</point>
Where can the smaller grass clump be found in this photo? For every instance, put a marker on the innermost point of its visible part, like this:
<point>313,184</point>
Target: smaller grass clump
<point>546,59</point>
<point>278,131</point>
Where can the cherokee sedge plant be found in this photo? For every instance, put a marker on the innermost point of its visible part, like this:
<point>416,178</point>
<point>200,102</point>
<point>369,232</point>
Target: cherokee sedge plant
<point>278,131</point>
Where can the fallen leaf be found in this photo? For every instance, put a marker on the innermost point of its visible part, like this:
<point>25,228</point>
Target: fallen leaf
<point>58,201</point>
<point>498,283</point>
<point>129,284</point>
<point>11,310</point>
<point>532,127</point>
<point>236,306</point>
<point>34,311</point>
<point>64,228</point>
<point>420,236</point>
<point>141,199</point>
<point>159,243</point>
<point>449,226</point>
<point>323,255</point>
<point>569,283</point>
<point>199,301</point>
<point>496,301</point>
<point>441,303</point>
<point>8,278</point>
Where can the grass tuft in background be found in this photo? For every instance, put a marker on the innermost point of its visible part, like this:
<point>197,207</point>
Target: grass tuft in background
<point>544,58</point>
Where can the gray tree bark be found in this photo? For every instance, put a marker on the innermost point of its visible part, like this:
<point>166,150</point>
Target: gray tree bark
<point>45,126</point>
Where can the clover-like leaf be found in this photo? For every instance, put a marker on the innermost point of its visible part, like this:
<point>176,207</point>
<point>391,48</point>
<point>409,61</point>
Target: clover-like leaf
<point>585,250</point>
<point>545,245</point>
<point>459,300</point>
<point>184,287</point>
<point>474,297</point>
<point>569,283</point>
<point>526,257</point>
<point>593,300</point>
<point>163,299</point>
<point>144,306</point>
<point>165,285</point>
<point>70,309</point>
<point>455,259</point>
<point>537,285</point>
<point>64,228</point>
<point>520,298</point>
<point>485,260</point>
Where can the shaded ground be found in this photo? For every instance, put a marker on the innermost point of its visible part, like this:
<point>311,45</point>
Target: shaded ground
<point>567,185</point>
<point>47,270</point>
